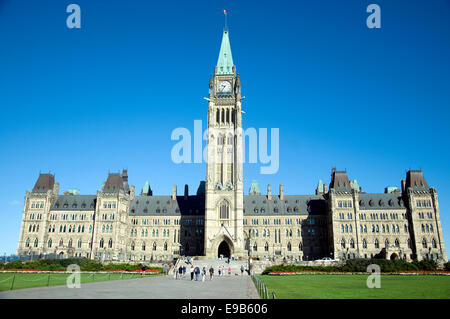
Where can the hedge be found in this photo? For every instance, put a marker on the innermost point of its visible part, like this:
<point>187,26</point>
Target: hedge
<point>62,264</point>
<point>359,265</point>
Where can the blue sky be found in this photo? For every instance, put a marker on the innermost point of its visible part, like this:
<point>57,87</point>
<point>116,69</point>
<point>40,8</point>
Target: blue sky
<point>82,102</point>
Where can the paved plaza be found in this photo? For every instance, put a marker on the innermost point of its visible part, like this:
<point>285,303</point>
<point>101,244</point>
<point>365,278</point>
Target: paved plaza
<point>162,287</point>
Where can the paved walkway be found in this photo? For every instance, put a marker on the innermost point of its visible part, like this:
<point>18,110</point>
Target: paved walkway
<point>163,287</point>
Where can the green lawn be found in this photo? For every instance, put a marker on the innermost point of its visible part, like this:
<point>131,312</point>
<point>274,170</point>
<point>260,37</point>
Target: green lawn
<point>29,280</point>
<point>354,286</point>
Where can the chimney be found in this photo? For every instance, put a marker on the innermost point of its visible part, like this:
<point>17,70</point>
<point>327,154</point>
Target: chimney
<point>269,192</point>
<point>132,192</point>
<point>281,192</point>
<point>174,192</point>
<point>403,185</point>
<point>56,188</point>
<point>125,175</point>
<point>186,191</point>
<point>325,188</point>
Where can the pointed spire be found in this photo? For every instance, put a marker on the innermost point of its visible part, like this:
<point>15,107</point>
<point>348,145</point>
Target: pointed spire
<point>211,82</point>
<point>225,61</point>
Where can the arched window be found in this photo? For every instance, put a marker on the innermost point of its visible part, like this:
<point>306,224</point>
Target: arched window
<point>266,247</point>
<point>343,243</point>
<point>408,242</point>
<point>143,246</point>
<point>132,246</point>
<point>70,243</point>
<point>300,246</point>
<point>376,243</point>
<point>217,116</point>
<point>397,243</point>
<point>165,246</point>
<point>102,243</point>
<point>424,243</point>
<point>352,243</point>
<point>79,243</point>
<point>364,243</point>
<point>50,243</point>
<point>255,247</point>
<point>110,243</point>
<point>289,247</point>
<point>433,243</point>
<point>61,243</point>
<point>386,243</point>
<point>154,246</point>
<point>224,211</point>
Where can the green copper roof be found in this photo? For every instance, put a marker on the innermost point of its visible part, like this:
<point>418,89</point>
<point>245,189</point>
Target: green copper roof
<point>147,190</point>
<point>356,185</point>
<point>225,61</point>
<point>390,189</point>
<point>254,189</point>
<point>320,186</point>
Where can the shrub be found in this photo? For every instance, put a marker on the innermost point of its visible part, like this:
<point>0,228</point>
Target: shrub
<point>15,264</point>
<point>447,266</point>
<point>360,265</point>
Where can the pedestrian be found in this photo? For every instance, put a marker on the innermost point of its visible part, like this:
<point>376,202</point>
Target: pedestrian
<point>229,271</point>
<point>223,271</point>
<point>203,274</point>
<point>220,272</point>
<point>192,272</point>
<point>184,271</point>
<point>242,270</point>
<point>197,273</point>
<point>180,272</point>
<point>166,270</point>
<point>143,271</point>
<point>232,257</point>
<point>211,273</point>
<point>228,260</point>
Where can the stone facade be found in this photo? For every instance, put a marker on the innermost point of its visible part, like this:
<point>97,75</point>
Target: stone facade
<point>339,221</point>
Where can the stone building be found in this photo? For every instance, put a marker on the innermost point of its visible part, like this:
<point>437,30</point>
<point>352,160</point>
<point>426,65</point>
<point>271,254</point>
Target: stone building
<point>339,220</point>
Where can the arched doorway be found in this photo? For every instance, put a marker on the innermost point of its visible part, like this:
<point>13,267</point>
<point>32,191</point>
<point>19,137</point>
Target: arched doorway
<point>224,249</point>
<point>394,256</point>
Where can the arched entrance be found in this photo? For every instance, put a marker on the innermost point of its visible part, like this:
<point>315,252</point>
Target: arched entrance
<point>394,256</point>
<point>224,249</point>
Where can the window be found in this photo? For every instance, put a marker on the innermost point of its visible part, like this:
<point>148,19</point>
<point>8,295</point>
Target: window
<point>102,243</point>
<point>352,243</point>
<point>376,243</point>
<point>255,247</point>
<point>343,243</point>
<point>224,211</point>
<point>364,243</point>
<point>424,243</point>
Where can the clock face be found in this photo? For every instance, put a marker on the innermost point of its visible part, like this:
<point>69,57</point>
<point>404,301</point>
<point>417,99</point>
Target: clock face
<point>224,86</point>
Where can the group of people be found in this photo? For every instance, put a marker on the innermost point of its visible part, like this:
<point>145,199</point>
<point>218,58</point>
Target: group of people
<point>195,272</point>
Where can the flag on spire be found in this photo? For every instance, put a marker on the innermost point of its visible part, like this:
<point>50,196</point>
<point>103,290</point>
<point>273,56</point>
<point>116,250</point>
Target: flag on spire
<point>224,11</point>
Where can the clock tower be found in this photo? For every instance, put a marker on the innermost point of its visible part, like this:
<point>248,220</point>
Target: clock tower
<point>224,232</point>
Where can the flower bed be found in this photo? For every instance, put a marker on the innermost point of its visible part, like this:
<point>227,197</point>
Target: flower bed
<point>86,271</point>
<point>405,272</point>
